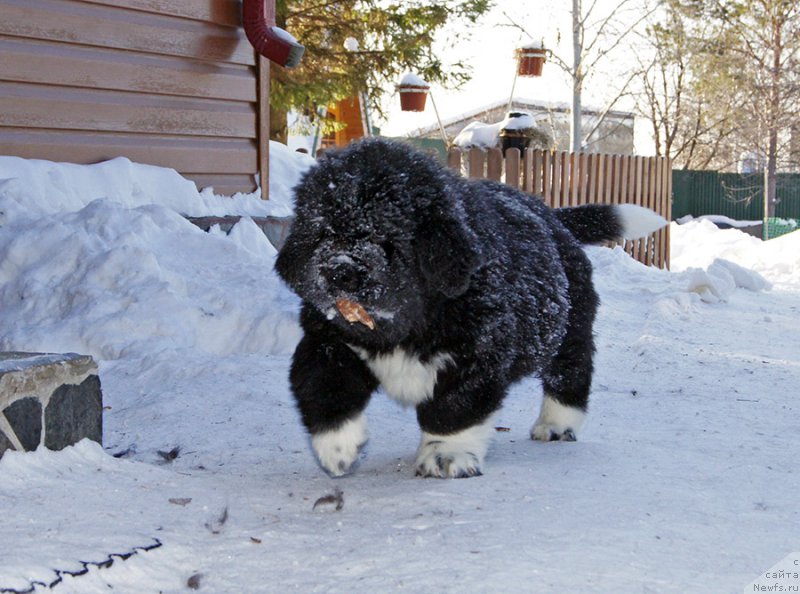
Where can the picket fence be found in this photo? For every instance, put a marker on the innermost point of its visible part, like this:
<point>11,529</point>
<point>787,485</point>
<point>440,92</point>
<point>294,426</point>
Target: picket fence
<point>572,179</point>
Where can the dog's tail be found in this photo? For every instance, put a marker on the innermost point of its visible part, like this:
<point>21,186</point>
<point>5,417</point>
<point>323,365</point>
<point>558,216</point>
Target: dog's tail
<point>596,223</point>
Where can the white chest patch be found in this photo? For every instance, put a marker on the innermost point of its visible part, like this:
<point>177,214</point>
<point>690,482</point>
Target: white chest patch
<point>403,376</point>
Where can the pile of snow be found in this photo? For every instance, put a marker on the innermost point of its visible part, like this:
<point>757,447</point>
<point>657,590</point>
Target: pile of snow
<point>479,135</point>
<point>693,399</point>
<point>112,281</point>
<point>285,169</point>
<point>518,120</point>
<point>98,259</point>
<point>485,136</point>
<point>412,80</point>
<point>533,45</point>
<point>700,243</point>
<point>33,187</point>
<point>720,220</point>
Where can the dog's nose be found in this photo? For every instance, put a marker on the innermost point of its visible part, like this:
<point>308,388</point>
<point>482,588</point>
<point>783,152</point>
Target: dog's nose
<point>344,276</point>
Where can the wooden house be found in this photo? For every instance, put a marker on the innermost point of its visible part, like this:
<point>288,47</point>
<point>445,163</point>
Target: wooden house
<point>173,83</point>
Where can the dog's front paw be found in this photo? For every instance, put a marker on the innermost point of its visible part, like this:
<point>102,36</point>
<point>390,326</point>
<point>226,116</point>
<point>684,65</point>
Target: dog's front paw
<point>431,463</point>
<point>557,422</point>
<point>543,432</point>
<point>338,448</point>
<point>458,455</point>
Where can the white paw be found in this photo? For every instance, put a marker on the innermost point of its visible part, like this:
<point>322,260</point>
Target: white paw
<point>458,455</point>
<point>431,462</point>
<point>557,422</point>
<point>338,449</point>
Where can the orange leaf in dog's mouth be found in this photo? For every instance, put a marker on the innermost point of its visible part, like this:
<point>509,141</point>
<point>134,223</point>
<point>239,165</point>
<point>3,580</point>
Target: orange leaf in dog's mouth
<point>353,312</point>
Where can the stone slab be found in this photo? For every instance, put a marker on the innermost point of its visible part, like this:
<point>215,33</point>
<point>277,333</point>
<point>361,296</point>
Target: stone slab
<point>50,399</point>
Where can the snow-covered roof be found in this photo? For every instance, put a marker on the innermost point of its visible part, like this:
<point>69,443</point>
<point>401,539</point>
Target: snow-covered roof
<point>531,105</point>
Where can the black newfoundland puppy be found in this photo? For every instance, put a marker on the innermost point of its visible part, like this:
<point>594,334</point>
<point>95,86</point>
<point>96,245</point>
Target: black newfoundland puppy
<point>442,291</point>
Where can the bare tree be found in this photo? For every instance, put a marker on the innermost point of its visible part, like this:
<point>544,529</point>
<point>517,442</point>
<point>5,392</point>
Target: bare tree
<point>606,33</point>
<point>768,56</point>
<point>596,36</point>
<point>724,82</point>
<point>686,100</point>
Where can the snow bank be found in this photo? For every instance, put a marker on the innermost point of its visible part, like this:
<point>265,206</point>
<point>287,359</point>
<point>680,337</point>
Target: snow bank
<point>112,281</point>
<point>286,167</point>
<point>699,243</point>
<point>720,219</point>
<point>96,259</point>
<point>35,187</point>
<point>721,279</point>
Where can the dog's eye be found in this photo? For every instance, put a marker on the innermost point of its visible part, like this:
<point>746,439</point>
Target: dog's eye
<point>388,249</point>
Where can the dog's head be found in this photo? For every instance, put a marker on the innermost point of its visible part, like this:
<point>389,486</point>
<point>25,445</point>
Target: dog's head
<point>379,224</point>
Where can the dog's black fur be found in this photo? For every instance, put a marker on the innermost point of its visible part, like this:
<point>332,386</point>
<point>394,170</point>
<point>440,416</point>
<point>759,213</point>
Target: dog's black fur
<point>478,282</point>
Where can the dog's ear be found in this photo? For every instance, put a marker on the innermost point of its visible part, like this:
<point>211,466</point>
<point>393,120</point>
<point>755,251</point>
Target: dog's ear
<point>295,253</point>
<point>447,252</point>
<point>285,264</point>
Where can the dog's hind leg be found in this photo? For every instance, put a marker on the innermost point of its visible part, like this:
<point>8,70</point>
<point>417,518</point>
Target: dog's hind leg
<point>332,386</point>
<point>557,421</point>
<point>566,395</point>
<point>568,377</point>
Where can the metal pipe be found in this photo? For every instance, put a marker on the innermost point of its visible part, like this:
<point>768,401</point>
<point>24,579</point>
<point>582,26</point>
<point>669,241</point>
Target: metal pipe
<point>513,86</point>
<point>439,121</point>
<point>269,40</point>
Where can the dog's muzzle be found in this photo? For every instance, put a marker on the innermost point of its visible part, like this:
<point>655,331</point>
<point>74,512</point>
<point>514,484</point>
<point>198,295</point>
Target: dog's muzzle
<point>344,276</point>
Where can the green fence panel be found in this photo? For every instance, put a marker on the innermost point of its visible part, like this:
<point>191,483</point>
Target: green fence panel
<point>734,195</point>
<point>781,226</point>
<point>435,146</point>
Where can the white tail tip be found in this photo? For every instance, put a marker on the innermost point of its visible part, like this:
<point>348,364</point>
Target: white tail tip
<point>638,222</point>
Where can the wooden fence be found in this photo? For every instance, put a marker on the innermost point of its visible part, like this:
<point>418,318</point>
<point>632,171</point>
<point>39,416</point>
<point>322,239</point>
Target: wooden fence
<point>572,179</point>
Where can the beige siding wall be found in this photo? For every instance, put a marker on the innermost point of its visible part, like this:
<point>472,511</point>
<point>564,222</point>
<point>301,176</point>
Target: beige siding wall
<point>166,82</point>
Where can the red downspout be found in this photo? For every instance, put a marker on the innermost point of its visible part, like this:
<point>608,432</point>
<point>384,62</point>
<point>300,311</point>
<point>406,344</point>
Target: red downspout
<point>270,41</point>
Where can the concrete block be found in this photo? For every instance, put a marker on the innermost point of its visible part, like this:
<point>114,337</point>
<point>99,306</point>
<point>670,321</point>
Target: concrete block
<point>48,399</point>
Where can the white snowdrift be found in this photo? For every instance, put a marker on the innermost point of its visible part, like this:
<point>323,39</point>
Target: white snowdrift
<point>34,187</point>
<point>698,243</point>
<point>485,136</point>
<point>110,282</point>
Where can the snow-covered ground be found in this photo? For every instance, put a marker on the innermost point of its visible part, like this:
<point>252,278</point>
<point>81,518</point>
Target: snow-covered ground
<point>685,478</point>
